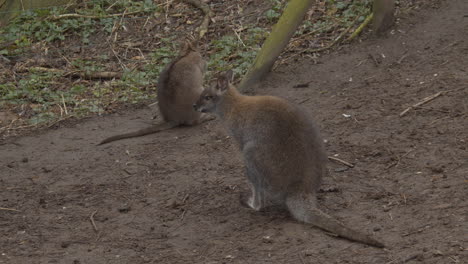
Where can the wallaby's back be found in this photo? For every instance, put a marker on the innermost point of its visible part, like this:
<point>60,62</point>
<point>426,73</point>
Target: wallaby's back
<point>289,147</point>
<point>287,159</point>
<point>179,86</point>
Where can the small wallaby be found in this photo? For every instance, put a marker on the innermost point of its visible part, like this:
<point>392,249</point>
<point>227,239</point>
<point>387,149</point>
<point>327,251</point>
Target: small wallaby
<point>283,153</point>
<point>179,86</point>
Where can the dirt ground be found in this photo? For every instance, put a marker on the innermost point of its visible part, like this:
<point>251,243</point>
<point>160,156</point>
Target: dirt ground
<point>172,197</point>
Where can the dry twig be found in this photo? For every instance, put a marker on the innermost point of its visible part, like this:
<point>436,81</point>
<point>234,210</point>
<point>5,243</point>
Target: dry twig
<point>398,160</point>
<point>64,104</point>
<point>341,161</point>
<point>91,217</point>
<point>9,209</point>
<point>183,215</point>
<point>417,231</point>
<point>57,17</point>
<point>402,58</point>
<point>423,101</point>
<point>123,66</point>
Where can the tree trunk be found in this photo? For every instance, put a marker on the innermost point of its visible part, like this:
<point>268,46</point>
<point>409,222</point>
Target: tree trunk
<point>279,37</point>
<point>383,15</point>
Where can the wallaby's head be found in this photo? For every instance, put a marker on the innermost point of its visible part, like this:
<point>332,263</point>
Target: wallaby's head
<point>211,96</point>
<point>189,51</point>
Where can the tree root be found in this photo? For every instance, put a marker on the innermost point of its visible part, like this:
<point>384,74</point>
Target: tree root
<point>203,28</point>
<point>361,27</point>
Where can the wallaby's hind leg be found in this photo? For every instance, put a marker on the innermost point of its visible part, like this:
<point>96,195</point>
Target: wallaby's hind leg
<point>300,206</point>
<point>257,199</point>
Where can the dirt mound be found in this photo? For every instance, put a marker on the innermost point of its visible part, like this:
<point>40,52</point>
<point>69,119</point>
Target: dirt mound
<point>172,197</point>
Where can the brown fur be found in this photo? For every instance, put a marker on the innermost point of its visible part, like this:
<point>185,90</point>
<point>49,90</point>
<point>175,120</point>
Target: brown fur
<point>179,86</point>
<point>383,11</point>
<point>283,153</point>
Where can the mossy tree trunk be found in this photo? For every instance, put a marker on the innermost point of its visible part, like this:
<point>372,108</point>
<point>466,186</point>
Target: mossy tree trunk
<point>279,37</point>
<point>383,15</point>
<point>11,8</point>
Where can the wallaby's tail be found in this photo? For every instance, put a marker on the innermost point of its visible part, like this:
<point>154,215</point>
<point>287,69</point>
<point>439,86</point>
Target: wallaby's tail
<point>141,132</point>
<point>305,211</point>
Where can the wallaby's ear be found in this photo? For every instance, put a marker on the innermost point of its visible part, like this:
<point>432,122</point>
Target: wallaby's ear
<point>222,84</point>
<point>192,43</point>
<point>229,75</point>
<point>188,46</point>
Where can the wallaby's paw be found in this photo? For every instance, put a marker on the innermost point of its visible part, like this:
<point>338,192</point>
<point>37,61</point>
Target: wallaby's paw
<point>207,117</point>
<point>249,202</point>
<point>244,200</point>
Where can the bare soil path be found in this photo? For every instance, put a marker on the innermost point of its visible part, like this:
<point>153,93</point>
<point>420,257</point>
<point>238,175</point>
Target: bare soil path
<point>172,197</point>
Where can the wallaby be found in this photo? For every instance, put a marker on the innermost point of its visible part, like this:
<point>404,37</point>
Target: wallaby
<point>283,153</point>
<point>179,86</point>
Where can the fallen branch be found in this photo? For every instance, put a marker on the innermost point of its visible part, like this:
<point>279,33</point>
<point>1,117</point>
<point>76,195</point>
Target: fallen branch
<point>80,74</point>
<point>91,217</point>
<point>57,17</point>
<point>206,19</point>
<point>361,27</point>
<point>423,101</point>
<point>341,161</point>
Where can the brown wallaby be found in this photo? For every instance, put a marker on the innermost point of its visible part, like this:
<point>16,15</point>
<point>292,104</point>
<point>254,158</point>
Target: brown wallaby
<point>283,153</point>
<point>179,86</point>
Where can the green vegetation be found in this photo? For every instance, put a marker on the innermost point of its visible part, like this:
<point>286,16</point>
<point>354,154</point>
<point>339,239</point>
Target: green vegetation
<point>56,92</point>
<point>337,15</point>
<point>231,52</point>
<point>43,91</point>
<point>349,11</point>
<point>275,12</point>
<point>37,92</point>
<point>47,25</point>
